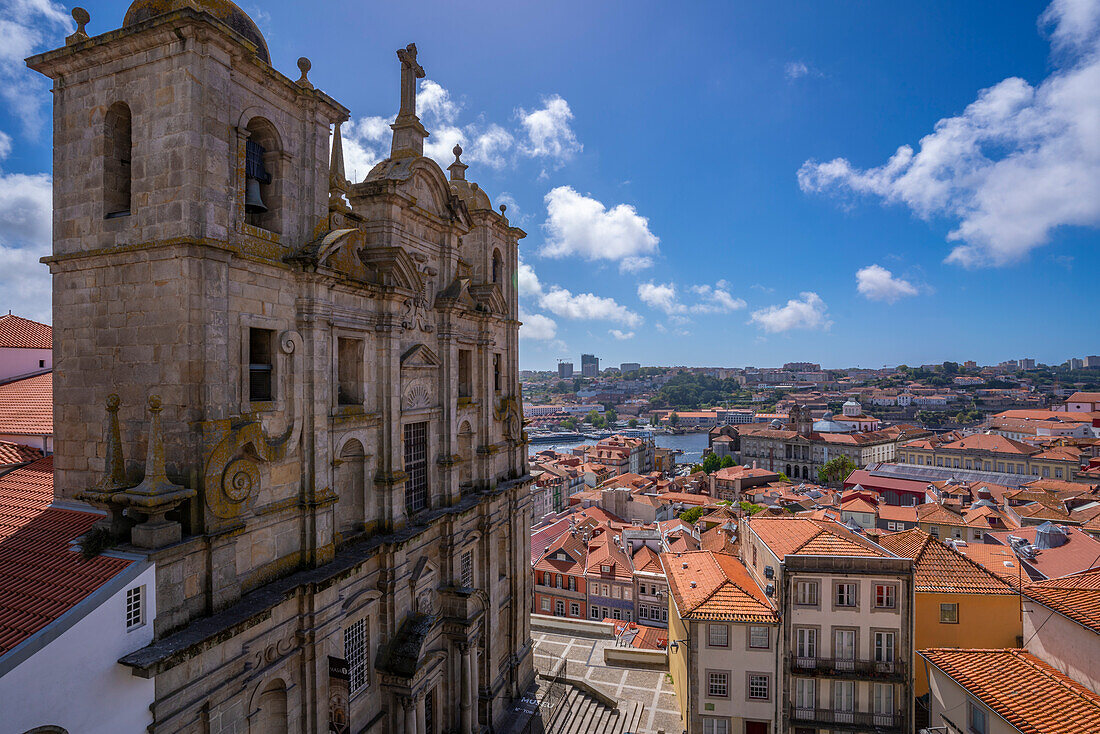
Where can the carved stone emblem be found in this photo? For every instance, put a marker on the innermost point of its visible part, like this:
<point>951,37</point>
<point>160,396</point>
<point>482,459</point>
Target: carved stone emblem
<point>418,395</point>
<point>417,307</point>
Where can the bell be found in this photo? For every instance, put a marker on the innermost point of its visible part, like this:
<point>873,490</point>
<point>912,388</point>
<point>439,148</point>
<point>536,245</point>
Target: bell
<point>253,203</point>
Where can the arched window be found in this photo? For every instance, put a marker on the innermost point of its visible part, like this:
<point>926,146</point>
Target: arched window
<point>350,488</point>
<point>498,267</point>
<point>262,169</point>
<point>117,151</point>
<point>788,472</point>
<point>272,718</point>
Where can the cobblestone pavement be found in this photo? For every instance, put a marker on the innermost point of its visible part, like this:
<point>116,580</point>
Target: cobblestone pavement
<point>651,688</point>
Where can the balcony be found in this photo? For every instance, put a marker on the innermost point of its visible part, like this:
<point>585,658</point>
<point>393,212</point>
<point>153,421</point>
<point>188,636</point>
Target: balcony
<point>835,720</point>
<point>848,668</point>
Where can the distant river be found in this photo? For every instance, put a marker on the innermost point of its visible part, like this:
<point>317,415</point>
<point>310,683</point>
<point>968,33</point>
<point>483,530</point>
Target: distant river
<point>692,444</point>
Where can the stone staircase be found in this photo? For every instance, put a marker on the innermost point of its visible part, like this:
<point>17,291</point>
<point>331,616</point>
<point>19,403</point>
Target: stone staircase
<point>582,713</point>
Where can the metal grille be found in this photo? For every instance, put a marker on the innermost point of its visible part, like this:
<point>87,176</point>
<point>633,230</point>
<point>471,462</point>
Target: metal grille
<point>416,467</point>
<point>135,612</point>
<point>468,570</point>
<point>355,652</point>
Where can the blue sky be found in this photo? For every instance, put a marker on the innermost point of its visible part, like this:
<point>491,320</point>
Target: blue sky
<point>711,183</point>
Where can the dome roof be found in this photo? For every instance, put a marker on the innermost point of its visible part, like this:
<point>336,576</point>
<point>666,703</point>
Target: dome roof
<point>224,10</point>
<point>852,402</point>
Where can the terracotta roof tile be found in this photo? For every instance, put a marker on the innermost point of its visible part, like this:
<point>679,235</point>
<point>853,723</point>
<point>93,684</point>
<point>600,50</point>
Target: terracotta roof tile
<point>723,588</point>
<point>41,577</point>
<point>1023,690</point>
<point>803,536</point>
<point>1076,597</point>
<point>1081,553</point>
<point>16,453</point>
<point>17,332</point>
<point>939,569</point>
<point>26,406</point>
<point>999,560</point>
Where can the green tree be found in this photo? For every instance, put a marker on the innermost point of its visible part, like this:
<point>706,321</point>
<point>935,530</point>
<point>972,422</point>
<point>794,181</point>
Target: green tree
<point>750,508</point>
<point>836,470</point>
<point>674,420</point>
<point>692,515</point>
<point>654,420</point>
<point>578,383</point>
<point>633,422</point>
<point>711,463</point>
<point>727,462</point>
<point>610,416</point>
<point>783,477</point>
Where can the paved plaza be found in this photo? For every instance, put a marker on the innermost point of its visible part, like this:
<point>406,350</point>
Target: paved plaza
<point>584,655</point>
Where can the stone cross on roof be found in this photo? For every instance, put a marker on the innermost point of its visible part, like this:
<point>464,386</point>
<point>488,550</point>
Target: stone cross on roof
<point>408,133</point>
<point>410,72</point>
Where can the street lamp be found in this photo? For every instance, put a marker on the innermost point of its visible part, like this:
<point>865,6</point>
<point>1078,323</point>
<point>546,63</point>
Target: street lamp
<point>674,645</point>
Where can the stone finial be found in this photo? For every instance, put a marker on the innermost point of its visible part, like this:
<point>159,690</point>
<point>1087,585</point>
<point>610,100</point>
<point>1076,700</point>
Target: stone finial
<point>82,18</point>
<point>304,65</point>
<point>156,496</point>
<point>458,168</point>
<point>337,180</point>
<point>114,470</point>
<point>503,208</point>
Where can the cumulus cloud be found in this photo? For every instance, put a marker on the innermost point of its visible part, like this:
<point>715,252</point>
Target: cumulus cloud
<point>537,327</point>
<point>621,335</point>
<point>580,225</point>
<point>548,132</point>
<point>661,296</point>
<point>587,307</point>
<point>795,70</point>
<point>807,312</point>
<point>716,299</point>
<point>529,284</point>
<point>1019,162</point>
<point>26,216</point>
<point>27,27</point>
<point>876,283</point>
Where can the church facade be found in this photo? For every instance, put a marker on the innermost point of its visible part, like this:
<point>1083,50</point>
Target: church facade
<point>296,395</point>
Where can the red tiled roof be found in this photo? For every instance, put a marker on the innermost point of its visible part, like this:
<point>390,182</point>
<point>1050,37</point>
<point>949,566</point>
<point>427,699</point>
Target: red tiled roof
<point>715,586</point>
<point>786,536</point>
<point>26,406</point>
<point>1081,553</point>
<point>940,569</point>
<point>1076,597</point>
<point>1021,689</point>
<point>17,453</point>
<point>41,576</point>
<point>20,333</point>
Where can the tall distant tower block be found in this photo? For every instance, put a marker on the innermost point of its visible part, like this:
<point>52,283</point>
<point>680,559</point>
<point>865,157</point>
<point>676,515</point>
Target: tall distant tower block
<point>296,395</point>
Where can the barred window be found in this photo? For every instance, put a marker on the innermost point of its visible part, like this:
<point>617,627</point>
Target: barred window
<point>355,653</point>
<point>718,635</point>
<point>416,467</point>
<point>468,570</point>
<point>135,607</point>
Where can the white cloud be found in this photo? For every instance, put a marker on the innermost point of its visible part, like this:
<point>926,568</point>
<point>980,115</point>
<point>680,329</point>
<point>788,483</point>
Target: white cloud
<point>27,27</point>
<point>661,296</point>
<point>587,307</point>
<point>537,327</point>
<point>716,299</point>
<point>580,225</point>
<point>5,145</point>
<point>548,134</point>
<point>491,146</point>
<point>635,264</point>
<point>529,284</point>
<point>795,70</point>
<point>810,312</point>
<point>26,215</point>
<point>1019,162</point>
<point>877,283</point>
<point>620,335</point>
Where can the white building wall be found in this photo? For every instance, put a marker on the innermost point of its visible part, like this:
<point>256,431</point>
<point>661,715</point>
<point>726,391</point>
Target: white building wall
<point>1062,644</point>
<point>22,361</point>
<point>98,696</point>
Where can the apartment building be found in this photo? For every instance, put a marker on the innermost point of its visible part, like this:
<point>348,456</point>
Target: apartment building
<point>723,632</point>
<point>559,576</point>
<point>992,453</point>
<point>846,633</point>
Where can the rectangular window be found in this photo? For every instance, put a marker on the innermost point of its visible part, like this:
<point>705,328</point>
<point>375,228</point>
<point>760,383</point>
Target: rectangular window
<point>498,378</point>
<point>355,652</point>
<point>805,693</point>
<point>416,467</point>
<point>260,365</point>
<point>718,635</point>
<point>626,593</point>
<point>806,642</point>
<point>594,612</point>
<point>759,637</point>
<point>349,371</point>
<point>884,647</point>
<point>806,593</point>
<point>949,613</point>
<point>546,604</point>
<point>643,612</point>
<point>465,372</point>
<point>716,726</point>
<point>884,698</point>
<point>616,614</point>
<point>468,570</point>
<point>934,531</point>
<point>844,644</point>
<point>135,607</point>
<point>718,685</point>
<point>574,609</point>
<point>844,695</point>
<point>758,686</point>
<point>572,583</point>
<point>976,718</point>
<point>885,596</point>
<point>846,595</point>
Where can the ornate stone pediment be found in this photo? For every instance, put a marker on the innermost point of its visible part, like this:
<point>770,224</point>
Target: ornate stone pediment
<point>456,295</point>
<point>419,357</point>
<point>391,266</point>
<point>489,298</point>
<point>418,366</point>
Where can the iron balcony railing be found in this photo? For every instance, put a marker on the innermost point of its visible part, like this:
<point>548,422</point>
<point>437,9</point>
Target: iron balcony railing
<point>834,718</point>
<point>810,665</point>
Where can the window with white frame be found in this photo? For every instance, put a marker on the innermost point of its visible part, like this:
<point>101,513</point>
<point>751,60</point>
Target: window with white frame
<point>545,604</point>
<point>759,637</point>
<point>976,719</point>
<point>884,698</point>
<point>135,607</point>
<point>643,612</point>
<point>846,594</point>
<point>574,609</point>
<point>886,596</point>
<point>805,693</point>
<point>468,570</point>
<point>594,612</point>
<point>844,695</point>
<point>806,593</point>
<point>718,685</point>
<point>355,653</point>
<point>884,647</point>
<point>716,726</point>
<point>758,686</point>
<point>718,635</point>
